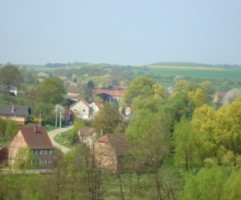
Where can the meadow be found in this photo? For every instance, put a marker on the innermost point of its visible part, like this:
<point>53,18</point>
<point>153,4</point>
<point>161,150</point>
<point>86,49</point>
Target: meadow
<point>167,75</point>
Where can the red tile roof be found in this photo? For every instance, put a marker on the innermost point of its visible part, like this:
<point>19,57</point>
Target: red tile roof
<point>74,90</point>
<point>36,137</point>
<point>114,93</point>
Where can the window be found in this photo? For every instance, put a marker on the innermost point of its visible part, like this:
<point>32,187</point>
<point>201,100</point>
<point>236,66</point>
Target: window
<point>37,152</point>
<point>49,152</point>
<point>32,162</point>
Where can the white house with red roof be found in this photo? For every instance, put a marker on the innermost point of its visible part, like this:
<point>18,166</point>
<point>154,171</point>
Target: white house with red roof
<point>82,109</point>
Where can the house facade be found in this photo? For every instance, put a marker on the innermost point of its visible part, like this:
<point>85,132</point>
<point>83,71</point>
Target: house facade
<point>18,113</point>
<point>82,109</point>
<point>36,140</point>
<point>110,152</point>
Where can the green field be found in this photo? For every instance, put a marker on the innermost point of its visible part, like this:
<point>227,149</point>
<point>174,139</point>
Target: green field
<point>166,75</point>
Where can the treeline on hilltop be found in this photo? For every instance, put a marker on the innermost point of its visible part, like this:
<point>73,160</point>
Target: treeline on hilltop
<point>176,64</point>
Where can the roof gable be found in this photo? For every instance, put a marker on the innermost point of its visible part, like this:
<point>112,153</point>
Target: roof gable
<point>114,93</point>
<point>36,137</point>
<point>74,90</point>
<point>81,101</point>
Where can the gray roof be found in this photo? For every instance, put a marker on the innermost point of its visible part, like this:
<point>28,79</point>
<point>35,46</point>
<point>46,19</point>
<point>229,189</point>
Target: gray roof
<point>16,110</point>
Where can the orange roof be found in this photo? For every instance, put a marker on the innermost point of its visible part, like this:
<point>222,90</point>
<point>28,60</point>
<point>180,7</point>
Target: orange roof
<point>73,90</point>
<point>114,93</point>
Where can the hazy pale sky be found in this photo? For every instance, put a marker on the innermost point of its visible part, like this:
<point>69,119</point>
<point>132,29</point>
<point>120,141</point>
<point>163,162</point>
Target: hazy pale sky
<point>134,32</point>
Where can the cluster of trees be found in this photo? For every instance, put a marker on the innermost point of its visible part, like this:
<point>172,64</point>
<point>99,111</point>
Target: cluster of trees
<point>8,128</point>
<point>184,131</point>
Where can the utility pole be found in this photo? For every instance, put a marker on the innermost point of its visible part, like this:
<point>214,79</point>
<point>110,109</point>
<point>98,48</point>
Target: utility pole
<point>56,119</point>
<point>60,123</point>
<point>40,116</point>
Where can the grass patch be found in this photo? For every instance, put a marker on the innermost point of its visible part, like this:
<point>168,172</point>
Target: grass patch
<point>64,139</point>
<point>4,141</point>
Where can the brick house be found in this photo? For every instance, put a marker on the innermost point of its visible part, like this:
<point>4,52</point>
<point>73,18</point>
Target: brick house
<point>36,139</point>
<point>18,113</point>
<point>110,152</point>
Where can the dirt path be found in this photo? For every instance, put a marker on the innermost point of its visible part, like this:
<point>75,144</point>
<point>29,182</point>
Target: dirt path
<point>53,133</point>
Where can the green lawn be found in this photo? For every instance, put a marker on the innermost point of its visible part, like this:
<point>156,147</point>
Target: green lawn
<point>63,139</point>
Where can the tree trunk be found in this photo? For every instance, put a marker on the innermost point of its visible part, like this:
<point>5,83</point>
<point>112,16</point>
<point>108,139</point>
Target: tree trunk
<point>120,185</point>
<point>158,188</point>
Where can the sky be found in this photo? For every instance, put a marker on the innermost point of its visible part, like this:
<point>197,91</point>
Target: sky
<point>125,32</point>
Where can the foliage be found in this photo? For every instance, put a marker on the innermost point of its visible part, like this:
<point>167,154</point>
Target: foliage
<point>207,184</point>
<point>220,132</point>
<point>107,119</point>
<point>10,76</point>
<point>232,186</point>
<point>25,159</point>
<point>142,87</point>
<point>8,128</point>
<point>185,142</point>
<point>231,96</point>
<point>51,91</point>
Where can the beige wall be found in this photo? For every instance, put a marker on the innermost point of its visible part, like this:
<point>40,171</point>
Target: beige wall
<point>105,156</point>
<point>17,143</point>
<point>81,110</point>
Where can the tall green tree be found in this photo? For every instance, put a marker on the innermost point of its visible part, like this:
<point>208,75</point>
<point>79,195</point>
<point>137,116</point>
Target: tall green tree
<point>51,90</point>
<point>208,184</point>
<point>140,87</point>
<point>186,149</point>
<point>10,76</point>
<point>107,119</point>
<point>148,134</point>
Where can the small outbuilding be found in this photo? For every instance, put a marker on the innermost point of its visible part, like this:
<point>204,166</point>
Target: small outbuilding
<point>110,152</point>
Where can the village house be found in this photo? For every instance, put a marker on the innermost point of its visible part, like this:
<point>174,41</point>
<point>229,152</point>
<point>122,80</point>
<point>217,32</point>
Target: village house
<point>82,109</point>
<point>18,113</point>
<point>35,139</point>
<point>109,95</point>
<point>110,152</point>
<point>218,97</point>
